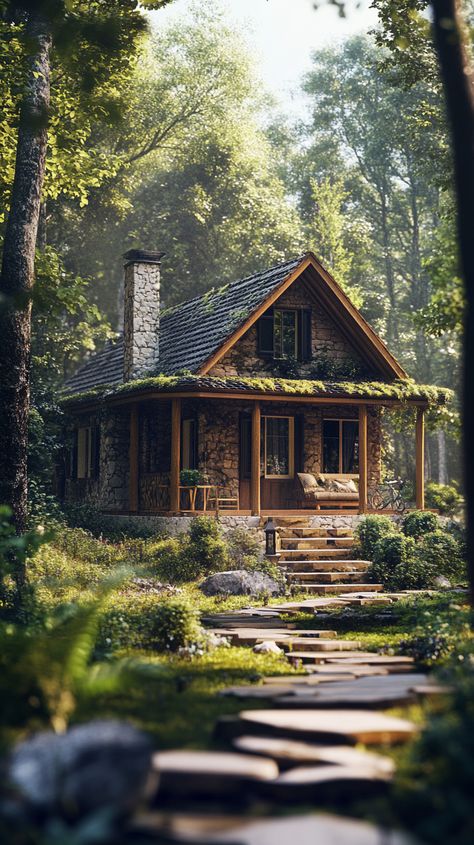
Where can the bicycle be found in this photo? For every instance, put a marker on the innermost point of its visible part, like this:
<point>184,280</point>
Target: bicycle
<point>389,496</point>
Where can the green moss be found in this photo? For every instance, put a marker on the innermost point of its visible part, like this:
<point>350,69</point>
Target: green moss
<point>402,390</point>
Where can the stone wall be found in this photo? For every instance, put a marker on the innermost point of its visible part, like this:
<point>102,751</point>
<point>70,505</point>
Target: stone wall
<point>218,448</point>
<point>326,339</point>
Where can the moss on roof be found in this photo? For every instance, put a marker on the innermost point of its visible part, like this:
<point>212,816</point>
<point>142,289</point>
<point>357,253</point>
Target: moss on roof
<point>402,390</point>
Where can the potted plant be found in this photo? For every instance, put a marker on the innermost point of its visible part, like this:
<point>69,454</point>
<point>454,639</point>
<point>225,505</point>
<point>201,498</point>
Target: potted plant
<point>190,477</point>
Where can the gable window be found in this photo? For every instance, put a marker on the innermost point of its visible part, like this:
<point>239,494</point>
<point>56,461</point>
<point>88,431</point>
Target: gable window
<point>87,448</point>
<point>279,447</point>
<point>285,333</point>
<point>341,446</point>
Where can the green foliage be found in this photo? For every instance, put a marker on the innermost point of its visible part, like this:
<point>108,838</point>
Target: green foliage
<point>17,599</point>
<point>190,477</point>
<point>418,523</point>
<point>147,622</point>
<point>435,782</point>
<point>243,544</point>
<point>199,552</point>
<point>90,518</point>
<point>443,497</point>
<point>396,565</point>
<point>442,554</point>
<point>369,531</point>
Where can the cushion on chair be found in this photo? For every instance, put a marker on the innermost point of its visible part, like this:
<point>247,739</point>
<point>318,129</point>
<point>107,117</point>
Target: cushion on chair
<point>307,481</point>
<point>343,485</point>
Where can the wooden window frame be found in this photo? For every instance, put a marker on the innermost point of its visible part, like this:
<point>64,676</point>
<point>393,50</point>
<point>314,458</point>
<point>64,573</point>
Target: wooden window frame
<point>87,457</point>
<point>291,446</point>
<point>341,421</point>
<point>189,429</point>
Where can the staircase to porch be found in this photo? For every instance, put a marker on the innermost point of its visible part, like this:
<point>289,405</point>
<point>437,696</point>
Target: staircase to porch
<point>321,560</point>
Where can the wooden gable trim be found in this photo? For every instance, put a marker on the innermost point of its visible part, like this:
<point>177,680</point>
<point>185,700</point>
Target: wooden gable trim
<point>374,341</point>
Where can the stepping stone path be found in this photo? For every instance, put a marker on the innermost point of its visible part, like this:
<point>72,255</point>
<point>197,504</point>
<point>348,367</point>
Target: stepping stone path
<point>308,745</point>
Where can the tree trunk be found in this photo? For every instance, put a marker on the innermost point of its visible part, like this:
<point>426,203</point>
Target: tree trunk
<point>17,276</point>
<point>442,462</point>
<point>457,78</point>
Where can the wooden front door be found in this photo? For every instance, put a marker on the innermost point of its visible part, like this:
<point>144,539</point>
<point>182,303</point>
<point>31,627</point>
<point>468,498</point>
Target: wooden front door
<point>281,450</point>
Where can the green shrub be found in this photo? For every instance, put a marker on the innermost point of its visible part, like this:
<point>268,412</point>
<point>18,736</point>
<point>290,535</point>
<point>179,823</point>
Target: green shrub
<point>418,523</point>
<point>445,498</point>
<point>147,622</point>
<point>369,531</point>
<point>200,552</point>
<point>242,545</point>
<point>91,519</point>
<point>206,547</point>
<point>396,565</point>
<point>442,553</point>
<point>435,781</point>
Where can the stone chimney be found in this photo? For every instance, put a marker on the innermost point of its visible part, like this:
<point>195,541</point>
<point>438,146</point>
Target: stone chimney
<point>141,319</point>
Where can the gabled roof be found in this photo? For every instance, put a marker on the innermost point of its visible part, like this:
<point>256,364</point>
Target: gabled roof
<point>197,333</point>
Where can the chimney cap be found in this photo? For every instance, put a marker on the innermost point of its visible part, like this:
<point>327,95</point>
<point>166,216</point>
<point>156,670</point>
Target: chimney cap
<point>142,256</point>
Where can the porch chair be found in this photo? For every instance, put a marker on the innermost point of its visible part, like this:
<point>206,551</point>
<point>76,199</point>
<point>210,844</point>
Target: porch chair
<point>223,500</point>
<point>336,490</point>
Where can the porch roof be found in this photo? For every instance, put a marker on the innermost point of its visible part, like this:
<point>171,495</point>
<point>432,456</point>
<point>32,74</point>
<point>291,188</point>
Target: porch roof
<point>396,392</point>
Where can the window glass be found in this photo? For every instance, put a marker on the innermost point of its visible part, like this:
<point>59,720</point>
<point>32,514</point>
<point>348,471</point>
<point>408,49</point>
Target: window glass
<point>331,446</point>
<point>277,447</point>
<point>350,446</point>
<point>284,334</point>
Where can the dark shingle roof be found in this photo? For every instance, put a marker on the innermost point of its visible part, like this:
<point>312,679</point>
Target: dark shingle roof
<point>191,332</point>
<point>105,367</point>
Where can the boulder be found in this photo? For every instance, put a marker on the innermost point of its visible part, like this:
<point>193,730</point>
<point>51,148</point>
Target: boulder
<point>442,583</point>
<point>268,647</point>
<point>96,766</point>
<point>239,582</point>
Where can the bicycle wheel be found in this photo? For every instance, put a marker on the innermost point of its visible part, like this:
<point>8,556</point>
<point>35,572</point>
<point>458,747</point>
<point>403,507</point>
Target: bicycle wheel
<point>376,501</point>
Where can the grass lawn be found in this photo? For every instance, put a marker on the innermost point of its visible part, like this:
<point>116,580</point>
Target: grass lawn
<point>177,698</point>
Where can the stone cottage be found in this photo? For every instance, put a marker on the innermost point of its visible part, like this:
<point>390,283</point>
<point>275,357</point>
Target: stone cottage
<point>263,396</point>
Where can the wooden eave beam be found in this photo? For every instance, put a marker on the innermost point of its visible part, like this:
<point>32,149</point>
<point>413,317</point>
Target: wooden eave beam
<point>251,397</point>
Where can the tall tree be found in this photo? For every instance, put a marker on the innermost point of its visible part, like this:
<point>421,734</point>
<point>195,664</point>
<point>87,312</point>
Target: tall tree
<point>84,38</point>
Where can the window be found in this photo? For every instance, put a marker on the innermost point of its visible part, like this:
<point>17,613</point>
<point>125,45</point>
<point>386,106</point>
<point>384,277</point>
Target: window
<point>87,451</point>
<point>285,333</point>
<point>279,447</point>
<point>189,458</point>
<point>341,446</point>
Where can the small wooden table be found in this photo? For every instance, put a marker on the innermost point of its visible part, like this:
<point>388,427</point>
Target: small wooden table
<point>192,490</point>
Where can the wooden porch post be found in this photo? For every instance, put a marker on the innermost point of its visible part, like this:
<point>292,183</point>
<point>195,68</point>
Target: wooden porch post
<point>362,458</point>
<point>420,459</point>
<point>134,472</point>
<point>175,464</point>
<point>255,464</point>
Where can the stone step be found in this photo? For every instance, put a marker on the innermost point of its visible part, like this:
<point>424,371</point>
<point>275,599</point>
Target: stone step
<point>325,565</point>
<point>288,753</point>
<point>316,542</point>
<point>328,589</point>
<point>349,726</point>
<point>322,577</point>
<point>249,636</point>
<point>298,531</point>
<point>314,553</point>
<point>335,657</point>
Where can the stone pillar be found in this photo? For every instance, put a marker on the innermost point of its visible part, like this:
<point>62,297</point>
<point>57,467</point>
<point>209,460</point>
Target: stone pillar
<point>141,322</point>
<point>420,459</point>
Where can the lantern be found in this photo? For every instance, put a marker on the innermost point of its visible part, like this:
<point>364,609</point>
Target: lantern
<point>270,538</point>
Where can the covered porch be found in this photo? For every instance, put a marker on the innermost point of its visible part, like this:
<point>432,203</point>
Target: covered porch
<point>248,451</point>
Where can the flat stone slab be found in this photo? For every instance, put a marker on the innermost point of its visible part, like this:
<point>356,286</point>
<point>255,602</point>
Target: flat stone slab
<point>354,670</point>
<point>385,691</point>
<point>374,659</point>
<point>332,655</point>
<point>249,636</point>
<point>313,679</point>
<point>333,784</point>
<point>209,772</point>
<point>268,691</point>
<point>309,831</point>
<point>350,726</point>
<point>288,753</point>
